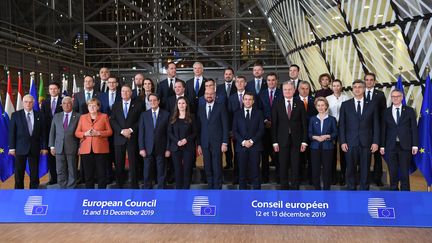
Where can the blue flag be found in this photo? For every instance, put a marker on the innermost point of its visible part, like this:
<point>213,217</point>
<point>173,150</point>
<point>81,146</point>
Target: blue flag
<point>400,87</point>
<point>424,156</point>
<point>43,159</point>
<point>6,161</point>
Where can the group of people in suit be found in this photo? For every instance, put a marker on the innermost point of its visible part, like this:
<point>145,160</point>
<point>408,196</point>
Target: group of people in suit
<point>250,122</point>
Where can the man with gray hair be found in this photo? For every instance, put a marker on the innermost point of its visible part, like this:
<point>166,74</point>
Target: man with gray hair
<point>64,145</point>
<point>195,86</point>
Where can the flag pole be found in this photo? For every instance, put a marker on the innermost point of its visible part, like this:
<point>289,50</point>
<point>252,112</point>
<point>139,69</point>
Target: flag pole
<point>427,73</point>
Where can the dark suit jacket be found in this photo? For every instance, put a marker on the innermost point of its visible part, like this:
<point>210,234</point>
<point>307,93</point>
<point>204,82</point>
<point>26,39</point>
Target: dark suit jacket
<point>406,130</point>
<point>245,130</point>
<point>214,131</point>
<point>264,99</point>
<point>46,112</point>
<point>281,125</point>
<point>104,99</point>
<point>154,140</point>
<point>180,130</point>
<point>19,137</point>
<point>79,104</point>
<point>164,91</point>
<point>311,110</point>
<point>119,122</point>
<point>233,103</point>
<point>250,86</point>
<point>379,99</point>
<point>190,92</point>
<point>329,127</point>
<point>356,131</point>
<point>221,91</point>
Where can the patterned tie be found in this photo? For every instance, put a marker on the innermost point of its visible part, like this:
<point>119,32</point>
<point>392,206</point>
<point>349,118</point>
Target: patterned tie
<point>358,108</point>
<point>241,100</point>
<point>289,109</point>
<point>53,106</point>
<point>397,116</point>
<point>154,119</point>
<point>66,122</point>
<point>125,110</point>
<point>29,123</point>
<point>271,98</point>
<point>197,86</point>
<point>305,103</point>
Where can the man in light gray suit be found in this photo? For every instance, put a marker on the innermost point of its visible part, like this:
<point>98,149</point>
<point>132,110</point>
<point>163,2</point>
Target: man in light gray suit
<point>64,145</point>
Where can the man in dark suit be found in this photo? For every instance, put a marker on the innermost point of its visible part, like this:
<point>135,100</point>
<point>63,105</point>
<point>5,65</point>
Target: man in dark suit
<point>258,83</point>
<point>293,73</point>
<point>248,130</point>
<point>64,145</point>
<point>81,98</point>
<point>289,134</point>
<point>49,107</point>
<point>267,99</point>
<point>27,141</point>
<point>124,122</point>
<point>102,86</point>
<point>378,98</point>
<point>399,140</point>
<point>358,135</point>
<point>223,92</point>
<point>213,139</point>
<point>195,86</point>
<point>139,85</point>
<point>165,87</point>
<point>107,100</point>
<point>305,97</point>
<point>179,91</point>
<point>153,141</point>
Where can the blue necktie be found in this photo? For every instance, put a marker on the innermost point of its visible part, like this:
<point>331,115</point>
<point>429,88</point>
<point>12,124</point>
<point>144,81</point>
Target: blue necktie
<point>397,116</point>
<point>112,100</point>
<point>88,96</point>
<point>258,86</point>
<point>154,119</point>
<point>125,109</point>
<point>197,86</point>
<point>358,109</point>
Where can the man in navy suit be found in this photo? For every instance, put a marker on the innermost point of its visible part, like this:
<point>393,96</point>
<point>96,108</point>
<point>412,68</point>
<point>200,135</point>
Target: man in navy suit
<point>378,98</point>
<point>49,107</point>
<point>289,134</point>
<point>124,123</point>
<point>258,83</point>
<point>248,130</point>
<point>399,140</point>
<point>305,97</point>
<point>179,91</point>
<point>153,141</point>
<point>294,73</point>
<point>267,98</point>
<point>358,135</point>
<point>165,88</point>
<point>224,91</point>
<point>81,98</point>
<point>27,141</point>
<point>139,85</point>
<point>107,100</point>
<point>102,86</point>
<point>213,139</point>
<point>195,86</point>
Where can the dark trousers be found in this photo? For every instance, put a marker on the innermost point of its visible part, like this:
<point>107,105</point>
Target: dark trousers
<point>321,158</point>
<point>95,167</point>
<point>229,154</point>
<point>20,165</point>
<point>305,166</point>
<point>52,169</point>
<point>183,161</point>
<point>213,166</point>
<point>398,161</point>
<point>120,154</point>
<point>342,163</point>
<point>266,153</point>
<point>110,161</point>
<point>249,169</point>
<point>377,168</point>
<point>289,161</point>
<point>150,162</point>
<point>358,155</point>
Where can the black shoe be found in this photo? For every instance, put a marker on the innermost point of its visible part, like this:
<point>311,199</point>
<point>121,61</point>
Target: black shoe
<point>227,167</point>
<point>379,183</point>
<point>265,180</point>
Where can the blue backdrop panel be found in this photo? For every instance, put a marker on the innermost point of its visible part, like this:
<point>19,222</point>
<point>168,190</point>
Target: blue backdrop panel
<point>360,208</point>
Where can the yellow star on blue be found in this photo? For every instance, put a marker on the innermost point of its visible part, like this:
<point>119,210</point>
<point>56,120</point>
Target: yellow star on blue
<point>422,150</point>
<point>1,150</point>
<point>427,111</point>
